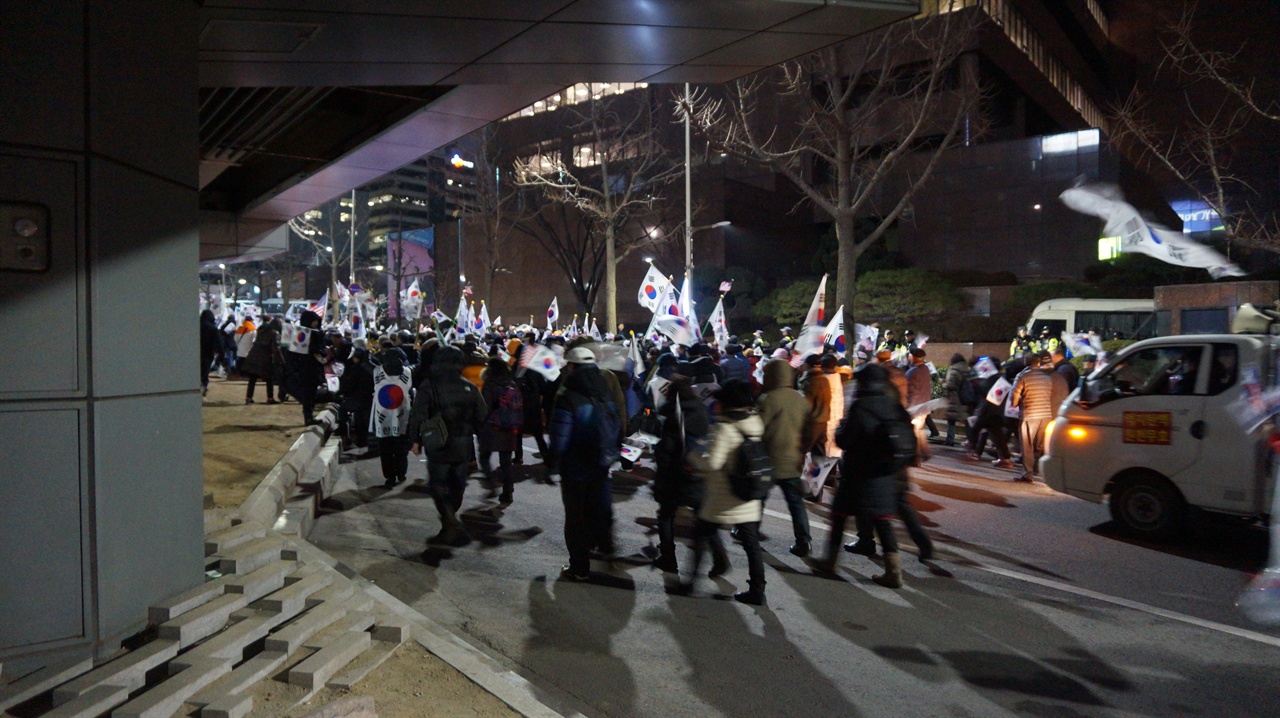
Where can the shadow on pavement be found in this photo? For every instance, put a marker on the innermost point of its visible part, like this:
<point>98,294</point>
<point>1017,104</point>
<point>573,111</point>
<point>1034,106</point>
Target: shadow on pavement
<point>1217,540</point>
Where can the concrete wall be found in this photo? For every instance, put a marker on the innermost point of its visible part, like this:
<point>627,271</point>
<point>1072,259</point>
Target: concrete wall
<point>100,455</point>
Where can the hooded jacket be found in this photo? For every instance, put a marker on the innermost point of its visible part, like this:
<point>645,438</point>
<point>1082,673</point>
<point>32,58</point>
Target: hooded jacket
<point>785,414</point>
<point>870,484</point>
<point>579,452</point>
<point>445,392</point>
<point>720,505</point>
<point>265,357</point>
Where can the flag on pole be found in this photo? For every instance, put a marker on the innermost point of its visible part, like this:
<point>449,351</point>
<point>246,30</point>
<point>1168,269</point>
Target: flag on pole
<point>461,320</point>
<point>807,344</point>
<point>482,322</point>
<point>719,327</point>
<point>726,286</point>
<point>670,305</point>
<point>440,317</point>
<point>818,307</point>
<point>676,328</point>
<point>686,307</point>
<point>637,361</point>
<point>553,312</point>
<point>1137,235</point>
<point>595,332</point>
<point>300,340</point>
<point>467,290</point>
<point>651,289</point>
<point>834,334</point>
<point>321,306</point>
<point>866,338</point>
<point>1078,344</point>
<point>498,322</point>
<point>546,362</point>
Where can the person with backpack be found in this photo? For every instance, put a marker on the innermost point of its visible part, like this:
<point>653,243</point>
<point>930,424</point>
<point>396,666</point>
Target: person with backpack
<point>586,435</point>
<point>733,487</point>
<point>960,394</point>
<point>447,411</point>
<point>785,414</point>
<point>502,430</point>
<point>876,430</point>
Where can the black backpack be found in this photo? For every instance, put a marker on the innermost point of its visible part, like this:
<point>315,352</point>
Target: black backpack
<point>752,471</point>
<point>969,391</point>
<point>897,440</point>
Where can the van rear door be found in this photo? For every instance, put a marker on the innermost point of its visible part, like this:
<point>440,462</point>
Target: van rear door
<point>1232,473</point>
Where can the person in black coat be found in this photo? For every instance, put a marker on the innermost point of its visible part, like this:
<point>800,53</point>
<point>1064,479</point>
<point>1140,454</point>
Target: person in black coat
<point>356,387</point>
<point>878,432</point>
<point>306,371</point>
<point>675,484</point>
<point>210,345</point>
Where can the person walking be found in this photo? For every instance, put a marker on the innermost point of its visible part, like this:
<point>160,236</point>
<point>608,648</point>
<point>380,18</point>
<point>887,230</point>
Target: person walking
<point>1038,392</point>
<point>306,370</point>
<point>920,387</point>
<point>356,388</point>
<point>210,343</point>
<point>958,374</point>
<point>264,360</point>
<point>878,431</point>
<point>817,391</point>
<point>245,335</point>
<point>734,365</point>
<point>685,426</point>
<point>585,436</point>
<point>989,422</point>
<point>392,382</point>
<point>445,399</point>
<point>785,414</point>
<point>1063,366</point>
<point>502,429</point>
<point>737,422</point>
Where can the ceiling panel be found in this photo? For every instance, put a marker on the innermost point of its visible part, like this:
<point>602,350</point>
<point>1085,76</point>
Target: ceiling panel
<point>607,44</point>
<point>429,130</point>
<point>237,73</point>
<point>703,74</point>
<point>343,178</point>
<point>849,19</point>
<point>354,37</point>
<point>281,209</point>
<point>492,9</point>
<point>486,102</point>
<point>562,74</point>
<point>749,15</point>
<point>767,48</point>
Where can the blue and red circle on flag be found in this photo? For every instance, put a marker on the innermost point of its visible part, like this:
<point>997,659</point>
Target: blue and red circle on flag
<point>550,314</point>
<point>302,336</point>
<point>650,291</point>
<point>548,363</point>
<point>839,342</point>
<point>674,311</point>
<point>390,397</point>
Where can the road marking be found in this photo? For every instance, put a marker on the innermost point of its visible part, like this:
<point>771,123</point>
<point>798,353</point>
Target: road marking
<point>972,560</point>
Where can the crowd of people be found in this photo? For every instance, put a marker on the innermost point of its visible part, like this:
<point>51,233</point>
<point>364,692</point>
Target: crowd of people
<point>592,403</point>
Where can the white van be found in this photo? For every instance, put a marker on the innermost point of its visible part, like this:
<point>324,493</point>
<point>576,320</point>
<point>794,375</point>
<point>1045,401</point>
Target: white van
<point>1157,431</point>
<point>1128,318</point>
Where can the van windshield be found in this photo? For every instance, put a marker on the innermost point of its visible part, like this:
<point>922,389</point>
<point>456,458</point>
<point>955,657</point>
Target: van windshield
<point>1055,326</point>
<point>1168,371</point>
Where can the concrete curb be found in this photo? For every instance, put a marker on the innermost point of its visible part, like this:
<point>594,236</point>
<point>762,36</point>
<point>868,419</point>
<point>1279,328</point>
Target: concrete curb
<point>268,499</point>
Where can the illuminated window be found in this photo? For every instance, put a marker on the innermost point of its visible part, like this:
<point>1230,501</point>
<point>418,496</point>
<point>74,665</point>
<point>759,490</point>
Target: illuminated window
<point>1108,248</point>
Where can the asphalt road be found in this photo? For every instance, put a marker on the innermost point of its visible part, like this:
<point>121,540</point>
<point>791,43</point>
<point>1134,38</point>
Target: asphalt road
<point>1035,606</point>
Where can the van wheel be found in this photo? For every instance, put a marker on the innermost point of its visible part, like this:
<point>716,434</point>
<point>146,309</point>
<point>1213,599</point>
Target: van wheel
<point>1148,506</point>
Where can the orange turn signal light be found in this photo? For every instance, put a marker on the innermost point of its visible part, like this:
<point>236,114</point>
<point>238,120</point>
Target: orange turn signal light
<point>1076,432</point>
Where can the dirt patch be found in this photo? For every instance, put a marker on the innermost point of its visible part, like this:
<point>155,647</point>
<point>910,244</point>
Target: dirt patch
<point>242,442</point>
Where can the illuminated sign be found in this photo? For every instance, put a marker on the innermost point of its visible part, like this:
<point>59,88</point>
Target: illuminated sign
<point>1148,427</point>
<point>458,162</point>
<point>1196,216</point>
<point>1069,142</point>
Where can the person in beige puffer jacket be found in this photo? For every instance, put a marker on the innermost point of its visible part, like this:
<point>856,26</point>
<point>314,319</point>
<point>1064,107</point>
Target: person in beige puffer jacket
<point>736,419</point>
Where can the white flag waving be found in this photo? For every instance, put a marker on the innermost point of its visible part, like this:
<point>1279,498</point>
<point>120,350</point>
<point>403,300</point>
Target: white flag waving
<point>553,312</point>
<point>652,289</point>
<point>676,328</point>
<point>545,362</point>
<point>1137,235</point>
<point>686,307</point>
<point>818,307</point>
<point>719,326</point>
<point>834,334</point>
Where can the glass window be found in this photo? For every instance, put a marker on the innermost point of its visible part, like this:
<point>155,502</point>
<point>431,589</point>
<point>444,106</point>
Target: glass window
<point>1158,371</point>
<point>1224,369</point>
<point>1205,321</point>
<point>1056,326</point>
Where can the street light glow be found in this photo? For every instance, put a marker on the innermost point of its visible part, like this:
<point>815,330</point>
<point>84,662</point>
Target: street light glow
<point>222,266</point>
<point>726,222</point>
<point>328,249</point>
<point>243,282</point>
<point>649,260</point>
<point>378,267</point>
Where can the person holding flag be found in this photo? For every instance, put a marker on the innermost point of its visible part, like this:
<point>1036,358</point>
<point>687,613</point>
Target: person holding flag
<point>392,381</point>
<point>553,313</point>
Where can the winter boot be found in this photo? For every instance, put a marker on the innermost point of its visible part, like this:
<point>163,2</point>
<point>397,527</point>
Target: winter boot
<point>862,547</point>
<point>450,527</point>
<point>754,596</point>
<point>822,565</point>
<point>892,576</point>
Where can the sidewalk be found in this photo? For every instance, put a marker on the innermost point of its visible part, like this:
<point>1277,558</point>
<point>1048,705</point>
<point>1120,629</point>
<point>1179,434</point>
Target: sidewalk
<point>242,443</point>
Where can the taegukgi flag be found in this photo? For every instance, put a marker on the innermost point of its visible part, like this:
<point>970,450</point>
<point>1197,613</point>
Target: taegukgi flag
<point>651,289</point>
<point>545,362</point>
<point>1137,235</point>
<point>553,312</point>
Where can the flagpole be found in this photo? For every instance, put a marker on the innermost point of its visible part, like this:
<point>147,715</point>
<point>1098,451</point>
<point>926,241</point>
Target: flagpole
<point>688,186</point>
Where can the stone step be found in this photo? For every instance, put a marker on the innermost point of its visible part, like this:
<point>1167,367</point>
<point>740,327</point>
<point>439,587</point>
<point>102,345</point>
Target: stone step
<point>231,706</point>
<point>293,598</point>
<point>266,580</point>
<point>298,515</point>
<point>173,607</point>
<point>386,639</point>
<point>240,679</point>
<point>39,681</point>
<point>228,538</point>
<point>337,591</point>
<point>95,701</point>
<point>291,637</point>
<point>128,671</point>
<point>252,555</point>
<point>165,699</point>
<point>202,622</point>
<point>317,669</point>
<point>231,642</point>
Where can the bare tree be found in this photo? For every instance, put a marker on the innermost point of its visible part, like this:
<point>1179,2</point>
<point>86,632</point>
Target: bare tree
<point>864,112</point>
<point>611,171</point>
<point>499,207</point>
<point>1198,139</point>
<point>329,230</point>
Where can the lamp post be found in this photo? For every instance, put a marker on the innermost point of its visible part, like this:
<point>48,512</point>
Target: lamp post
<point>688,243</point>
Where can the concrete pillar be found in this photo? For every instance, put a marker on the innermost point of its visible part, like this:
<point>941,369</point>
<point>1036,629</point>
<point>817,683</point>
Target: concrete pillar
<point>100,449</point>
